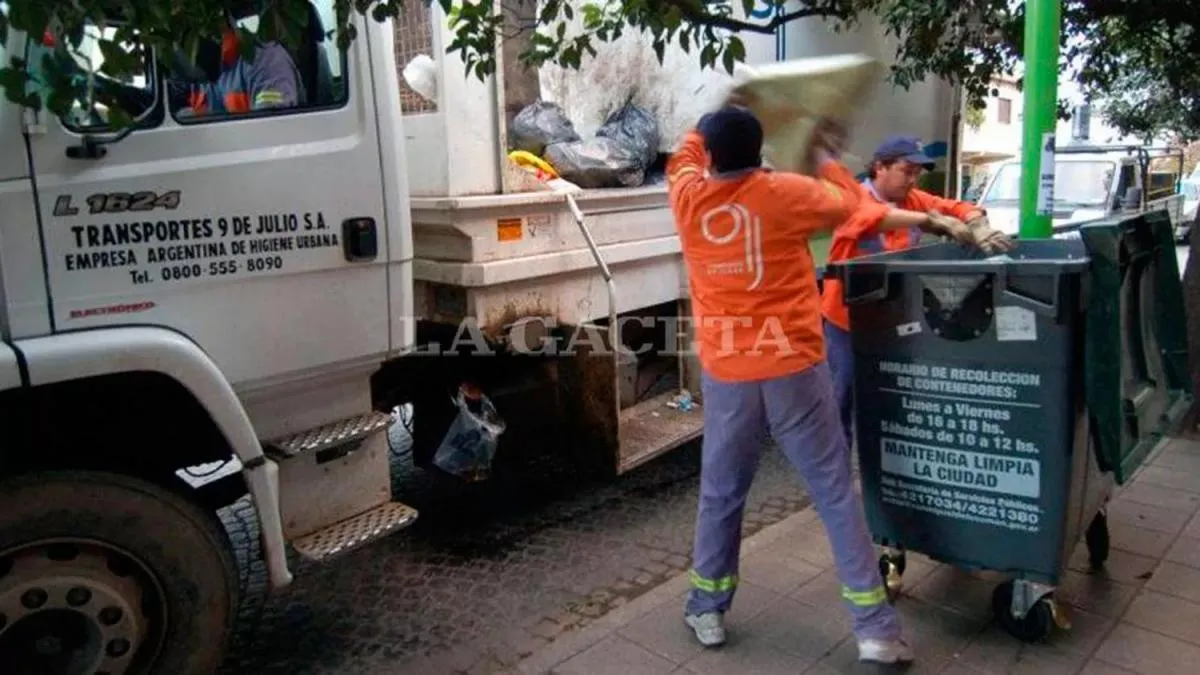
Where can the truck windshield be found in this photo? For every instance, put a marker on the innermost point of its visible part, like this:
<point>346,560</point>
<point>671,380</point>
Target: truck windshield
<point>1076,184</point>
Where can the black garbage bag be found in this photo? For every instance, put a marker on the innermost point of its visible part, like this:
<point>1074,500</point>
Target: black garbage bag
<point>538,125</point>
<point>634,127</point>
<point>599,162</point>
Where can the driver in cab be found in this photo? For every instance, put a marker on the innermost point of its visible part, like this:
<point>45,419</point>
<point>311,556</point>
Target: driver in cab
<point>221,81</point>
<point>268,79</point>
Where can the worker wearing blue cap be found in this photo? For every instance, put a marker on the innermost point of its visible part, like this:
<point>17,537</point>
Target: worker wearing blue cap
<point>745,234</point>
<point>891,179</point>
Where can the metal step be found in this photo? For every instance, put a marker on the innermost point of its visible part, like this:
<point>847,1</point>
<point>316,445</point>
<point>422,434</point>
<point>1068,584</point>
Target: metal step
<point>331,435</point>
<point>653,427</point>
<point>355,531</point>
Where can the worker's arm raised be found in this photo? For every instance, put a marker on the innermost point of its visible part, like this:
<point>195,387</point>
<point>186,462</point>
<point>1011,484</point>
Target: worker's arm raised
<point>822,203</point>
<point>685,169</point>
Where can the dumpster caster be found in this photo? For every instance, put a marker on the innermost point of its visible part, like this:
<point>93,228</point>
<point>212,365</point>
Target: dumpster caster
<point>891,568</point>
<point>1039,618</point>
<point>1096,539</point>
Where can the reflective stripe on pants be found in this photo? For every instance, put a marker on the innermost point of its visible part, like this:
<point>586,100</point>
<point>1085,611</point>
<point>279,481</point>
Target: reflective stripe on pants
<point>800,413</point>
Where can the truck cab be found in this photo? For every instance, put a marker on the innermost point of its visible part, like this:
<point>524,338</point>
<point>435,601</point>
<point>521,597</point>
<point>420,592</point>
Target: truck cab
<point>208,317</point>
<point>1090,182</point>
<point>224,304</point>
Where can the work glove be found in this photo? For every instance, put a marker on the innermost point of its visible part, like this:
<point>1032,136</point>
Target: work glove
<point>976,234</point>
<point>980,220</point>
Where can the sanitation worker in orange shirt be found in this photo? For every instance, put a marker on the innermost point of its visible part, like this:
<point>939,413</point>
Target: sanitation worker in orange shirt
<point>744,232</point>
<point>892,179</point>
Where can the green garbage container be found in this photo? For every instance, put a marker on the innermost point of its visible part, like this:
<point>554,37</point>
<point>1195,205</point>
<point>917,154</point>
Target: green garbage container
<point>973,394</point>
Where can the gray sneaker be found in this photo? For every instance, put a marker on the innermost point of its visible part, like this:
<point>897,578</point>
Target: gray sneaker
<point>884,651</point>
<point>708,627</point>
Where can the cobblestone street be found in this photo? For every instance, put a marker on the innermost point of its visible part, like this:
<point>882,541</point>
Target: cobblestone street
<point>487,576</point>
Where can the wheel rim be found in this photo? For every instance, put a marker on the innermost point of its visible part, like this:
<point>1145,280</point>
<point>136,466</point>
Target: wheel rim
<point>77,607</point>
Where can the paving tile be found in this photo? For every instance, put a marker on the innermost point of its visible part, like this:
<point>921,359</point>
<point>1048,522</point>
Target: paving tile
<point>1166,614</point>
<point>1193,528</point>
<point>749,601</point>
<point>1178,580</point>
<point>823,590</point>
<point>616,655</point>
<point>955,667</point>
<point>917,568</point>
<point>663,632</point>
<point>1185,551</point>
<point>802,630</point>
<point>994,651</point>
<point>1148,653</point>
<point>1146,516</point>
<point>955,589</point>
<point>776,572</point>
<point>1121,566</point>
<point>1139,540</point>
<point>1182,457</point>
<point>936,635</point>
<point>753,655</point>
<point>1156,495</point>
<point>1095,594</point>
<point>1170,478</point>
<point>812,545</point>
<point>1098,667</point>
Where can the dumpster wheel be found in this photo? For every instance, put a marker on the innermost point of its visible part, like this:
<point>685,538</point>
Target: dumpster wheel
<point>1097,541</point>
<point>891,568</point>
<point>1035,626</point>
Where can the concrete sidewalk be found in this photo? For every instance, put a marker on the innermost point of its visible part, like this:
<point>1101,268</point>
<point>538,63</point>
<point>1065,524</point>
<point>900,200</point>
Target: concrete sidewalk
<point>1140,615</point>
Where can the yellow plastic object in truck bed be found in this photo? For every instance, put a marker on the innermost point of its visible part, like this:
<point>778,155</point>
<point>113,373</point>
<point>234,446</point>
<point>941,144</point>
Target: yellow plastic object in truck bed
<point>789,97</point>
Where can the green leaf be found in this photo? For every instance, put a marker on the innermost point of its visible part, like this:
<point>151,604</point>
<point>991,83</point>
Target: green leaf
<point>727,61</point>
<point>118,62</point>
<point>737,48</point>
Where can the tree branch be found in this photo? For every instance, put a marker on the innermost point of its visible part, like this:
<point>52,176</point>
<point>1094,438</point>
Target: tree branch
<point>696,16</point>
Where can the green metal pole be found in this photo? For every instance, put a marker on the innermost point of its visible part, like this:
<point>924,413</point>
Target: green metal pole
<point>1043,20</point>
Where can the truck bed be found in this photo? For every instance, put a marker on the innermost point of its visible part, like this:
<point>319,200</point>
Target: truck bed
<point>499,258</point>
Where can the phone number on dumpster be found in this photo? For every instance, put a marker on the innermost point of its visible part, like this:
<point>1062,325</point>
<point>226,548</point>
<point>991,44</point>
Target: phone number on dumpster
<point>1003,513</point>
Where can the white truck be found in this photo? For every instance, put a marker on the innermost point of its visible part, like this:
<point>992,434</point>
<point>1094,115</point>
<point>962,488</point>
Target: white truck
<point>245,298</point>
<point>1090,182</point>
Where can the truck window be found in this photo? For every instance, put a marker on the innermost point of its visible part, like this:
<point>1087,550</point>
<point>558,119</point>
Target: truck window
<point>304,75</point>
<point>1076,185</point>
<point>51,58</point>
<point>1127,179</point>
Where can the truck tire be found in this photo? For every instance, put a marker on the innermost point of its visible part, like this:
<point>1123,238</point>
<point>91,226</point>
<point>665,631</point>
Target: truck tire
<point>102,573</point>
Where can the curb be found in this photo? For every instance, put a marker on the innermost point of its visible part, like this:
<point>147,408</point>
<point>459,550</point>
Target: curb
<point>567,646</point>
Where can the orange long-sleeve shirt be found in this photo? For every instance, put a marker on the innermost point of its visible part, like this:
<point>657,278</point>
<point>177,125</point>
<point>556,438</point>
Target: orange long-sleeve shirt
<point>850,239</point>
<point>755,304</point>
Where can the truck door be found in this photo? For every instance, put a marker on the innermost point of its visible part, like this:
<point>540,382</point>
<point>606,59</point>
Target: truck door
<point>259,233</point>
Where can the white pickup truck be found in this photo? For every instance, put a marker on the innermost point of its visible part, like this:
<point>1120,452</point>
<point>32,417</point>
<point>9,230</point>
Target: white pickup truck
<point>1090,182</point>
<point>248,297</point>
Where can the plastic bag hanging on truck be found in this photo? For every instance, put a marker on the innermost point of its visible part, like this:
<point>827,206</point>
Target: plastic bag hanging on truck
<point>597,163</point>
<point>636,128</point>
<point>538,125</point>
<point>470,443</point>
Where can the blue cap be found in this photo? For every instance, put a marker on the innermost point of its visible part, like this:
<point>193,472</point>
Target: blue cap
<point>908,148</point>
<point>734,138</point>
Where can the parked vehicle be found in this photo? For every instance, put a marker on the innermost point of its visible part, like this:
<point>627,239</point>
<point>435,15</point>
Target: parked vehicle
<point>194,310</point>
<point>1090,182</point>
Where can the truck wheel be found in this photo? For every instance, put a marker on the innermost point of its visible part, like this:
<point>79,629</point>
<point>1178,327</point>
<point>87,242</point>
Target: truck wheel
<point>101,573</point>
